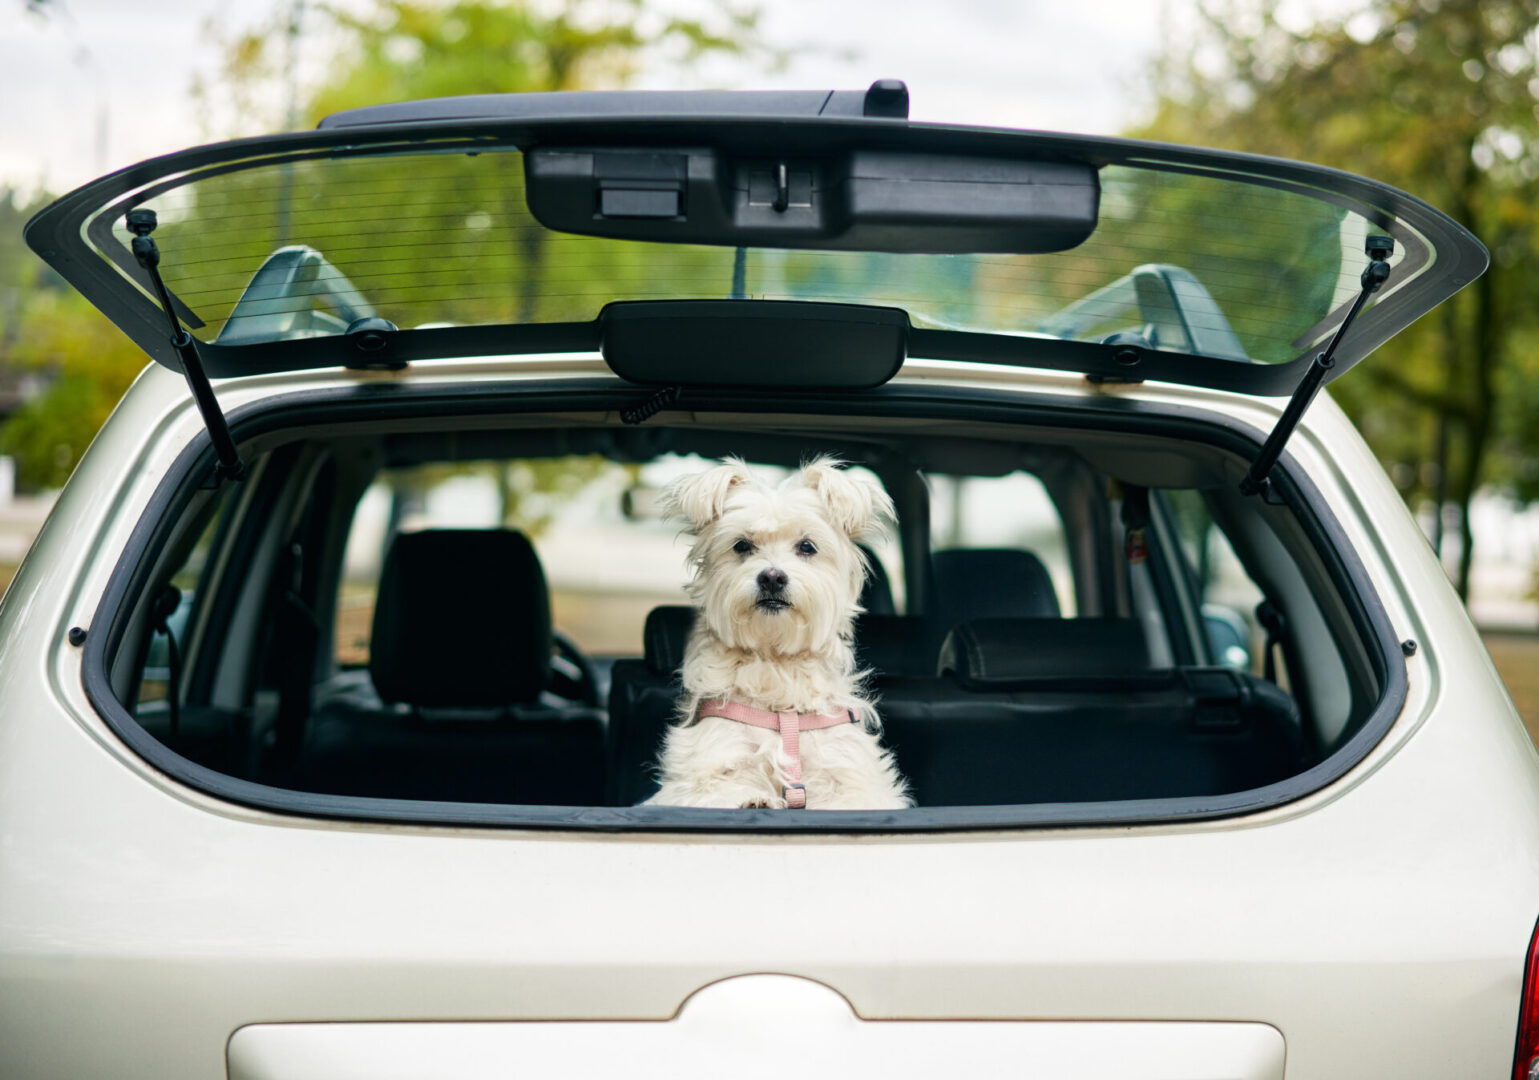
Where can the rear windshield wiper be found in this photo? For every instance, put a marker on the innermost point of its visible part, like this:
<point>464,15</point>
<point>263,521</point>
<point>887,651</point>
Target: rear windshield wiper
<point>1257,480</point>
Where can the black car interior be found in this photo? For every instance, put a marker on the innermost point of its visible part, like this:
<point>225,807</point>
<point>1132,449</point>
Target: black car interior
<point>988,693</point>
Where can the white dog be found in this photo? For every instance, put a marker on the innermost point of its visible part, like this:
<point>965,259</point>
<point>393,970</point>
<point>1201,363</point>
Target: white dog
<point>773,713</point>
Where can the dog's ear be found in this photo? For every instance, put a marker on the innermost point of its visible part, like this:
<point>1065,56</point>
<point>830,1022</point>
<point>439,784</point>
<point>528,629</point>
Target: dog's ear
<point>700,499</point>
<point>856,503</point>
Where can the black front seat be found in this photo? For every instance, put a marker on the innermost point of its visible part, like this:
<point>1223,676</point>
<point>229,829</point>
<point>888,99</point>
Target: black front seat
<point>462,620</point>
<point>459,657</point>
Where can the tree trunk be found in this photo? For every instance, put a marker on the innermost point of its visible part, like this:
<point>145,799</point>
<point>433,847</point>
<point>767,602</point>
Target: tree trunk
<point>1480,344</point>
<point>507,497</point>
<point>532,249</point>
<point>1451,393</point>
<point>528,244</point>
<point>1440,483</point>
<point>1485,344</point>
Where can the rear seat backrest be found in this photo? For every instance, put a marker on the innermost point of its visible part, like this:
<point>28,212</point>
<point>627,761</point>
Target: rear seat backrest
<point>891,645</point>
<point>1067,710</point>
<point>1034,710</point>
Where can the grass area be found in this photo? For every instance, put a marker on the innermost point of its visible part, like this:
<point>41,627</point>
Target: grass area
<point>1517,658</point>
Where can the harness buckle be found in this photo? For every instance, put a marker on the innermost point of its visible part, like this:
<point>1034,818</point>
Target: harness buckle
<point>792,802</point>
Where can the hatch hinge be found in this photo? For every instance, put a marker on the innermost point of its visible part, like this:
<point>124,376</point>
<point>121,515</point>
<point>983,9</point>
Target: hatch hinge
<point>1257,480</point>
<point>141,223</point>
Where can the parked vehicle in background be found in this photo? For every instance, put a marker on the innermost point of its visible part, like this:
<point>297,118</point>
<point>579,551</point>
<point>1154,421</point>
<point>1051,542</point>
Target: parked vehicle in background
<point>332,683</point>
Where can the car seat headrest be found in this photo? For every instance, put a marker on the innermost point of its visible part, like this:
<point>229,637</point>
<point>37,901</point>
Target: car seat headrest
<point>462,620</point>
<point>987,652</point>
<point>664,636</point>
<point>986,583</point>
<point>876,591</point>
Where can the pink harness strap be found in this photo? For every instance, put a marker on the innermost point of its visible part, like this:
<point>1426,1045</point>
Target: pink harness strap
<point>790,725</point>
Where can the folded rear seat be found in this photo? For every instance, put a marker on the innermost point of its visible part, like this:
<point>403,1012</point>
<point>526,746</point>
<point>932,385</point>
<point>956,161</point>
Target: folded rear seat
<point>459,657</point>
<point>1027,710</point>
<point>1068,710</point>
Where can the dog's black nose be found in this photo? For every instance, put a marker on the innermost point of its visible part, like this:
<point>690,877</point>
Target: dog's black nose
<point>772,580</point>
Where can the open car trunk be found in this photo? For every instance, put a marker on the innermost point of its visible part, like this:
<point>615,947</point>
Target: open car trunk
<point>1062,624</point>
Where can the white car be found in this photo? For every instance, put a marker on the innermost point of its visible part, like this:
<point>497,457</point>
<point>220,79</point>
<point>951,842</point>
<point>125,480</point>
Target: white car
<point>300,777</point>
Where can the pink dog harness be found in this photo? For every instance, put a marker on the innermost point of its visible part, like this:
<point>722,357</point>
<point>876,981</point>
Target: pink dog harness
<point>790,725</point>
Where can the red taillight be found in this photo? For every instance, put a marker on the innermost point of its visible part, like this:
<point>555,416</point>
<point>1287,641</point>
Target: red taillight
<point>1525,1063</point>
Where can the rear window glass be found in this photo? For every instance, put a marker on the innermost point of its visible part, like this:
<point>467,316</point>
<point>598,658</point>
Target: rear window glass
<point>1182,262</point>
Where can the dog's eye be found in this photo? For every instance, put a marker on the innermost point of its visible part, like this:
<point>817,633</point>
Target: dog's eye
<point>806,547</point>
<point>743,547</point>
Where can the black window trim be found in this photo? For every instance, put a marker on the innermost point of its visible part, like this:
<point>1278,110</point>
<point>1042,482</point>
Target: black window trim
<point>292,410</point>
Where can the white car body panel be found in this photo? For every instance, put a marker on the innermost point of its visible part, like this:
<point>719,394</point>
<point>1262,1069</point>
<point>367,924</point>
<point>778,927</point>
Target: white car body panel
<point>1380,925</point>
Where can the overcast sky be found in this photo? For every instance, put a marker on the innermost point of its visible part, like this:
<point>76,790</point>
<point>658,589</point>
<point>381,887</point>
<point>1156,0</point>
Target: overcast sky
<point>1022,63</point>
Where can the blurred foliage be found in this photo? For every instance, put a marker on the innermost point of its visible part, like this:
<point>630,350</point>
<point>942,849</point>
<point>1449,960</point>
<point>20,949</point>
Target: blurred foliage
<point>398,50</point>
<point>433,238</point>
<point>1268,257</point>
<point>530,491</point>
<point>1436,97</point>
<point>51,338</point>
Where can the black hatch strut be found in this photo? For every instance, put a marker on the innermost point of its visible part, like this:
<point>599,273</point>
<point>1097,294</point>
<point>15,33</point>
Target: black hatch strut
<point>1378,249</point>
<point>141,223</point>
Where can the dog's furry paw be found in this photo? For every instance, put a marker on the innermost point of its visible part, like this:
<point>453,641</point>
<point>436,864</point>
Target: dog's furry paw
<point>758,804</point>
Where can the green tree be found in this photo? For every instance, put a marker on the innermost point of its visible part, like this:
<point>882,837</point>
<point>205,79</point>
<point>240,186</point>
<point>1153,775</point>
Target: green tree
<point>1434,97</point>
<point>50,335</point>
<point>398,50</point>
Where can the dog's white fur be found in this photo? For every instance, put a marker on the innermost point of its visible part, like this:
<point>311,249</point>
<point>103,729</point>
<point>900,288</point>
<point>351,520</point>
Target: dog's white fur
<point>798,658</point>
